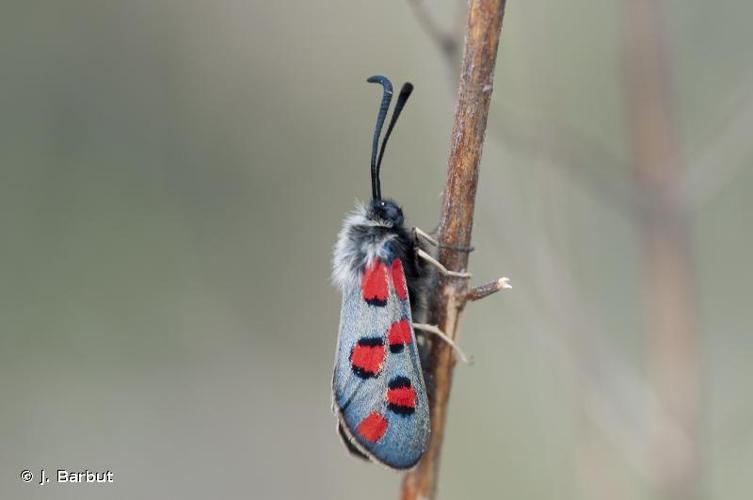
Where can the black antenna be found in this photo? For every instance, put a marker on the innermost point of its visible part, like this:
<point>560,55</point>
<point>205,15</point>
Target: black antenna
<point>401,100</point>
<point>376,191</point>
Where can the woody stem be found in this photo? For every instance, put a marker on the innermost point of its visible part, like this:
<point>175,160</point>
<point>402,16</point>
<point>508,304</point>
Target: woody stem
<point>483,28</point>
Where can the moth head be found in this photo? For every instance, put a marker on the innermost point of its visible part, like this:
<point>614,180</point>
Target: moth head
<point>385,211</point>
<point>377,153</point>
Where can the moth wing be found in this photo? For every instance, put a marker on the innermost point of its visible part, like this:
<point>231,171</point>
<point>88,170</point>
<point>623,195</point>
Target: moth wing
<point>378,385</point>
<point>348,442</point>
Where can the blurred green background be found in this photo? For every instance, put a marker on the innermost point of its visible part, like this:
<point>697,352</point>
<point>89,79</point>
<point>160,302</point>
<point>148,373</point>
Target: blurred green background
<point>172,178</point>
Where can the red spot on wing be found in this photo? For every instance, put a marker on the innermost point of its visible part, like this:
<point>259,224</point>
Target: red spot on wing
<point>373,427</point>
<point>398,279</point>
<point>374,284</point>
<point>402,396</point>
<point>399,335</point>
<point>367,357</point>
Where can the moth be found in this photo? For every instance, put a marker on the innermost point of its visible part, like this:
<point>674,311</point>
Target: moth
<point>379,394</point>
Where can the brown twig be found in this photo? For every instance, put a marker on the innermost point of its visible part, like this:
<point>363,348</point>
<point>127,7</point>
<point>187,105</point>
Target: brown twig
<point>487,289</point>
<point>456,222</point>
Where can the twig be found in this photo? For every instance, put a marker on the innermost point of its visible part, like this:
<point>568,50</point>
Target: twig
<point>487,289</point>
<point>456,222</point>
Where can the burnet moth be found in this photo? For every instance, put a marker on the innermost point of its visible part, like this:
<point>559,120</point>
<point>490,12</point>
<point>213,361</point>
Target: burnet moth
<point>379,394</point>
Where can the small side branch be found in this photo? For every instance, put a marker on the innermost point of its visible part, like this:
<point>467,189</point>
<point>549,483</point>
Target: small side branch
<point>487,289</point>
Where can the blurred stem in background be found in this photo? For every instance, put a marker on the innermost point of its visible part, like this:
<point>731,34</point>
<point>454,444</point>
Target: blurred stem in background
<point>667,265</point>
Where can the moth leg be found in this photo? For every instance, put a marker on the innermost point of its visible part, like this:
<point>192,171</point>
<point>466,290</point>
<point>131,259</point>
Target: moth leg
<point>431,260</point>
<point>467,360</point>
<point>418,232</point>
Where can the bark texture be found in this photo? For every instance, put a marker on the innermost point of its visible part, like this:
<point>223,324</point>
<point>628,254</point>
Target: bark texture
<point>456,223</point>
